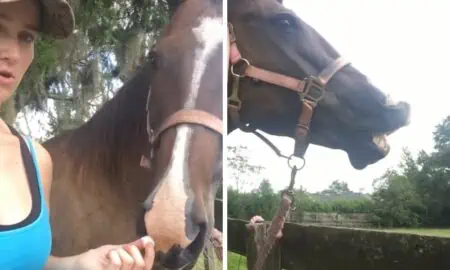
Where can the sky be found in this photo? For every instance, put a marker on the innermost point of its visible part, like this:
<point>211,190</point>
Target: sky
<point>403,47</point>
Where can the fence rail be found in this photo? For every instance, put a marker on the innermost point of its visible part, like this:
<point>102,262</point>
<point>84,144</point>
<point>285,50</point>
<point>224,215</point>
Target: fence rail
<point>353,220</point>
<point>305,247</point>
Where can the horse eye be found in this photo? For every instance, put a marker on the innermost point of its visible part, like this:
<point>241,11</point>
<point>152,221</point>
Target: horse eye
<point>153,57</point>
<point>285,23</point>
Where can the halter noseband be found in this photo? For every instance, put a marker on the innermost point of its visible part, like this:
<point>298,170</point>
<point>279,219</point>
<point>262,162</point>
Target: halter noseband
<point>310,90</point>
<point>183,116</point>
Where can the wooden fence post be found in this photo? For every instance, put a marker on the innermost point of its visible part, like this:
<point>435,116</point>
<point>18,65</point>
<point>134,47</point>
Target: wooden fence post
<point>255,243</point>
<point>209,258</point>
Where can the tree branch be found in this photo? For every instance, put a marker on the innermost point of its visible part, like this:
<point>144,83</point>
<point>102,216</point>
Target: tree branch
<point>56,97</point>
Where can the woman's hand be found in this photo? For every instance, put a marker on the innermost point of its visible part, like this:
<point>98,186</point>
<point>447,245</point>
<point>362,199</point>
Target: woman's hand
<point>119,257</point>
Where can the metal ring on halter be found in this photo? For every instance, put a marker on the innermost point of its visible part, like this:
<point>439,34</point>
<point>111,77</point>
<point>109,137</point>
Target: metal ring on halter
<point>240,75</point>
<point>292,166</point>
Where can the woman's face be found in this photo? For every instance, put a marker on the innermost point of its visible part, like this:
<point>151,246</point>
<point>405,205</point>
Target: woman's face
<point>19,21</point>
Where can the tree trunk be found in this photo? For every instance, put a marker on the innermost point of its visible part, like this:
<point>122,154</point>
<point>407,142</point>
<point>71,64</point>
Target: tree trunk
<point>130,54</point>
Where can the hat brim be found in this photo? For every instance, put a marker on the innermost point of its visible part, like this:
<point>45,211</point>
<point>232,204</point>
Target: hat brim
<point>57,18</point>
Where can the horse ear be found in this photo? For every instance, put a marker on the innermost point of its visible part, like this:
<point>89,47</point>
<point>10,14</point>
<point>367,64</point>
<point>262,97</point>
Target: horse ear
<point>173,5</point>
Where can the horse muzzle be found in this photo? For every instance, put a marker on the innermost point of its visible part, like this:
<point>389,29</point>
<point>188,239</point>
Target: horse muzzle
<point>182,258</point>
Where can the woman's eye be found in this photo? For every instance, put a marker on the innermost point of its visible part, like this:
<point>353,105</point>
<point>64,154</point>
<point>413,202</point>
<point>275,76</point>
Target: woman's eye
<point>27,38</point>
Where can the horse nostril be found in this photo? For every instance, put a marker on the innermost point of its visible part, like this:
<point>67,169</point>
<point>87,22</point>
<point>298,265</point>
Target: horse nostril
<point>174,254</point>
<point>193,229</point>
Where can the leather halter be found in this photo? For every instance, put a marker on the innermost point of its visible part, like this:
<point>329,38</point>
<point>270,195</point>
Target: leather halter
<point>310,90</point>
<point>183,116</point>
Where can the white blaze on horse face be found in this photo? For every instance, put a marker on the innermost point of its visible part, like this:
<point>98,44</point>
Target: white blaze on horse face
<point>209,36</point>
<point>170,200</point>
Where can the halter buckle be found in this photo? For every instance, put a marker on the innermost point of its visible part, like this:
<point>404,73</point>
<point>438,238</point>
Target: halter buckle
<point>235,103</point>
<point>233,100</point>
<point>314,90</point>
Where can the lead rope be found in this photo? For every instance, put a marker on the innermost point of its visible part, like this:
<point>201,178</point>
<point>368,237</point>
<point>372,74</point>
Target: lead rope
<point>278,221</point>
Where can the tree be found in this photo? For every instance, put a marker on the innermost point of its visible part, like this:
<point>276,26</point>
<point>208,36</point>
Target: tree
<point>397,203</point>
<point>419,192</point>
<point>441,135</point>
<point>337,187</point>
<point>241,169</point>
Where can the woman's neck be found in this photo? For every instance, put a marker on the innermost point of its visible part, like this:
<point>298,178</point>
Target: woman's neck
<point>4,129</point>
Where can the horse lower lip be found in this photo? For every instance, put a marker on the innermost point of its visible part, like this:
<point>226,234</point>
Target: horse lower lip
<point>189,254</point>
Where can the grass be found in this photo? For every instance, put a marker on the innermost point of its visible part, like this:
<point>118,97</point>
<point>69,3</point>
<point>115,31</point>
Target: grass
<point>200,263</point>
<point>236,261</point>
<point>439,232</point>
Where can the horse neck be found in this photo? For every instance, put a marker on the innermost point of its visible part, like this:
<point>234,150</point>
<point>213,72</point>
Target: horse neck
<point>111,142</point>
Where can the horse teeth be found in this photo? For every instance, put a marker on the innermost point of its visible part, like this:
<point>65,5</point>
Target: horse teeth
<point>390,101</point>
<point>381,142</point>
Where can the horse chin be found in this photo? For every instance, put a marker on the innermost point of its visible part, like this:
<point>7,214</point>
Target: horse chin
<point>368,150</point>
<point>182,258</point>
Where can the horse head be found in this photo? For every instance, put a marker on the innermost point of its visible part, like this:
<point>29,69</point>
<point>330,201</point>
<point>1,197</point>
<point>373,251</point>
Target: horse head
<point>287,80</point>
<point>184,123</point>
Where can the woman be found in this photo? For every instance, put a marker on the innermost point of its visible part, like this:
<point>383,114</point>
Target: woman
<point>26,167</point>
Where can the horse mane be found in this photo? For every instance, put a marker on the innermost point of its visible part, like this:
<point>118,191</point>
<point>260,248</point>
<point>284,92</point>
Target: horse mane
<point>106,143</point>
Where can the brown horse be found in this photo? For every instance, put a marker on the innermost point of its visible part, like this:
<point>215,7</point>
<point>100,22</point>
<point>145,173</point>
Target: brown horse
<point>101,190</point>
<point>293,83</point>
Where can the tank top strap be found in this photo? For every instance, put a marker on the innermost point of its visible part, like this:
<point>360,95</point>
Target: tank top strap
<point>36,166</point>
<point>30,161</point>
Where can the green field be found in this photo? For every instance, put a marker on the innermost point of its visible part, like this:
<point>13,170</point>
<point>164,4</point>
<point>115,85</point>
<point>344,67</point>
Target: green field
<point>422,231</point>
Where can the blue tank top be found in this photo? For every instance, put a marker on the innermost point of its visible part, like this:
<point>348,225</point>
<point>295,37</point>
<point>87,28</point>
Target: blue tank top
<point>26,245</point>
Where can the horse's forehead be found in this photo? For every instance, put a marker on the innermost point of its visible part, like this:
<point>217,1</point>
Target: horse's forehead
<point>191,11</point>
<point>209,31</point>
